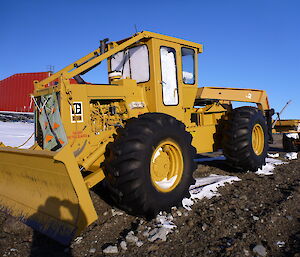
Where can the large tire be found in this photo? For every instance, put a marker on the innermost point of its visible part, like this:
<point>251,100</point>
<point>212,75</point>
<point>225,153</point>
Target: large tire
<point>288,144</point>
<point>149,148</point>
<point>245,139</point>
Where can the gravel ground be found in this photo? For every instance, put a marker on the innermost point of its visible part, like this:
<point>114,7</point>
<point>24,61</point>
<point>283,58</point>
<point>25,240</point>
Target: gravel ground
<point>257,216</point>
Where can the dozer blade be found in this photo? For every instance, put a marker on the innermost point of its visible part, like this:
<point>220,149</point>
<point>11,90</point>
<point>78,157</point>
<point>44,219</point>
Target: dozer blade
<point>46,191</point>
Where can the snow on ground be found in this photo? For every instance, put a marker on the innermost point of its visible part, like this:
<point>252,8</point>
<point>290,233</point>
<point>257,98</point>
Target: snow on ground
<point>273,155</point>
<point>268,168</point>
<point>291,156</point>
<point>293,135</point>
<point>206,187</point>
<point>16,133</point>
<point>275,161</point>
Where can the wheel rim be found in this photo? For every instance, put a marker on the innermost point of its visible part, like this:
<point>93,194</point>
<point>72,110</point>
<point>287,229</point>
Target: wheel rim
<point>258,139</point>
<point>166,166</point>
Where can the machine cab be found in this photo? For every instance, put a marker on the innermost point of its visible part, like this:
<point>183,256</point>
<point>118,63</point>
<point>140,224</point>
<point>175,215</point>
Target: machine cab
<point>164,66</point>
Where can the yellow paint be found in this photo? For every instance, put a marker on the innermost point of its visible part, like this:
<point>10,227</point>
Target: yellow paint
<point>235,94</point>
<point>166,167</point>
<point>45,184</point>
<point>94,178</point>
<point>287,126</point>
<point>258,139</point>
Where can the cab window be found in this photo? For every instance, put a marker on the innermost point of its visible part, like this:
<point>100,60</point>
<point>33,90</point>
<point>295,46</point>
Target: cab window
<point>188,65</point>
<point>132,63</point>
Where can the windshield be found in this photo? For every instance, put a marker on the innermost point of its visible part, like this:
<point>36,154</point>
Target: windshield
<point>133,63</point>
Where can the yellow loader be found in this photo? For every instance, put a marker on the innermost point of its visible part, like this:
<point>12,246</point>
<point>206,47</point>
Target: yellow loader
<point>139,133</point>
<point>290,130</point>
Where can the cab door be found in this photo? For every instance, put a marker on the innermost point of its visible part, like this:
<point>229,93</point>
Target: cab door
<point>169,92</point>
<point>169,79</point>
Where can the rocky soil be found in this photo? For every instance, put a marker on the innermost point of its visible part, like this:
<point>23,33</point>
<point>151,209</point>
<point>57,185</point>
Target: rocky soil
<point>256,216</point>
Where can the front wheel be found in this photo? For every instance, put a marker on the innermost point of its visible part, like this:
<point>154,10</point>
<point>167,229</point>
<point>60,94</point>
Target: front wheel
<point>150,165</point>
<point>245,138</point>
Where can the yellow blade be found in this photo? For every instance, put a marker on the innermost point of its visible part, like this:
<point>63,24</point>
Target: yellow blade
<point>46,191</point>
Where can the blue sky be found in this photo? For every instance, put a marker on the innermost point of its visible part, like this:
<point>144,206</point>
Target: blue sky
<point>250,44</point>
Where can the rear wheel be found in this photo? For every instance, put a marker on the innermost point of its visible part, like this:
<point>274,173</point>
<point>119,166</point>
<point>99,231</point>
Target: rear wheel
<point>289,143</point>
<point>149,167</point>
<point>245,138</point>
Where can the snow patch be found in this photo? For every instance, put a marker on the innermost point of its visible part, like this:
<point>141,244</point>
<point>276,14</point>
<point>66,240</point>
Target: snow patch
<point>111,249</point>
<point>165,221</point>
<point>123,245</point>
<point>293,135</point>
<point>280,243</point>
<point>16,133</point>
<point>78,240</point>
<point>158,234</point>
<point>291,156</point>
<point>273,155</point>
<point>164,225</point>
<point>275,162</point>
<point>131,238</point>
<point>266,170</point>
<point>269,167</point>
<point>206,187</point>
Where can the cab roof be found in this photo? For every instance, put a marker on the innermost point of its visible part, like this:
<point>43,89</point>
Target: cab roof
<point>148,34</point>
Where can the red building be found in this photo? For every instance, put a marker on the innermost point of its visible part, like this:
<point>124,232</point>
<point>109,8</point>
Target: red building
<point>15,91</point>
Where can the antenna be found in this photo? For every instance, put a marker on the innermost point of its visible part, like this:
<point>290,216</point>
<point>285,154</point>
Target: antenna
<point>279,113</point>
<point>50,68</point>
<point>135,27</point>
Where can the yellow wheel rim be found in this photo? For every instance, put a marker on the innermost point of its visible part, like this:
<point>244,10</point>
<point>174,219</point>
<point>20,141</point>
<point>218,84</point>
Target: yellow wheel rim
<point>258,139</point>
<point>166,166</point>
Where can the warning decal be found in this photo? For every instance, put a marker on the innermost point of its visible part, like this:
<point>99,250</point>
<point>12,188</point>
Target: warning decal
<point>76,112</point>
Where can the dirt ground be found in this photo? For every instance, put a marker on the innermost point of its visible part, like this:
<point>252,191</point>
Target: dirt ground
<point>257,216</point>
